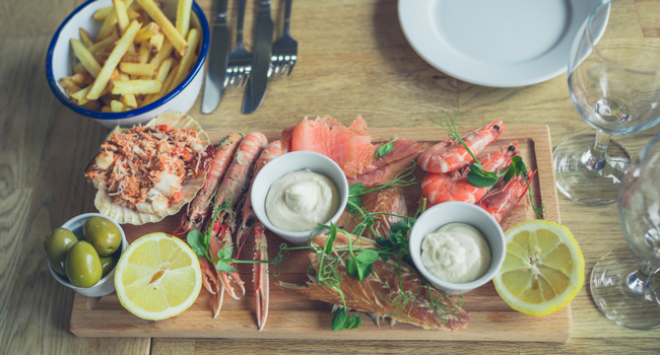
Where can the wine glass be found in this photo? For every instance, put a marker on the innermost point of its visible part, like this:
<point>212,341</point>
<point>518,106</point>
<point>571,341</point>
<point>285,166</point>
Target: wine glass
<point>614,81</point>
<point>624,285</point>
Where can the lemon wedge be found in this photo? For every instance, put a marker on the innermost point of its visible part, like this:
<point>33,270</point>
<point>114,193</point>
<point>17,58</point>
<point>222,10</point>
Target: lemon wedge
<point>543,269</point>
<point>158,277</point>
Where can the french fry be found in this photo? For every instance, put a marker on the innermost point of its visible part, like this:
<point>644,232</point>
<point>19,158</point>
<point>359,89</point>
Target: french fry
<point>137,69</point>
<point>116,106</point>
<point>129,101</point>
<point>114,58</point>
<point>79,69</point>
<point>147,32</point>
<point>183,9</point>
<point>101,58</point>
<point>92,105</point>
<point>131,58</point>
<point>66,82</point>
<point>131,48</point>
<point>102,13</point>
<point>168,81</point>
<point>135,87</point>
<point>106,109</point>
<point>78,98</point>
<point>166,26</point>
<point>122,15</point>
<point>71,89</point>
<point>144,52</point>
<point>133,15</point>
<point>115,75</point>
<point>77,79</point>
<point>156,42</point>
<point>85,57</point>
<point>107,27</point>
<point>103,44</point>
<point>164,52</point>
<point>164,69</point>
<point>187,60</point>
<point>106,99</point>
<point>85,38</point>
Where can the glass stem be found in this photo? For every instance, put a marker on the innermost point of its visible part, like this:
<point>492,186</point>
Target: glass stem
<point>595,157</point>
<point>639,281</point>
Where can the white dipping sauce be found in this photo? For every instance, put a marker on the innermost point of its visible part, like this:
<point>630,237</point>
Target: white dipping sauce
<point>456,253</point>
<point>300,200</point>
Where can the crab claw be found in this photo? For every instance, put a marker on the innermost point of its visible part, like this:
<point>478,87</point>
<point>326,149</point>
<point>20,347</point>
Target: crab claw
<point>217,301</point>
<point>260,275</point>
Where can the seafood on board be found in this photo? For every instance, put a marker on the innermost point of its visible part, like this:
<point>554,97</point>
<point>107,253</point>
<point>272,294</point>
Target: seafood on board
<point>377,276</point>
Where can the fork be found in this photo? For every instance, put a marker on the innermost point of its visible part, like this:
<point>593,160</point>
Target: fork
<point>285,49</point>
<point>239,63</point>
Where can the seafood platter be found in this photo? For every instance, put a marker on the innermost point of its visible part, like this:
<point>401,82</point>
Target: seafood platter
<point>185,200</point>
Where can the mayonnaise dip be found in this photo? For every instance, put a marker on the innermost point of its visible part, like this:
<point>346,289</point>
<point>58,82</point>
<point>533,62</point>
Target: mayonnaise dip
<point>456,253</point>
<point>300,200</point>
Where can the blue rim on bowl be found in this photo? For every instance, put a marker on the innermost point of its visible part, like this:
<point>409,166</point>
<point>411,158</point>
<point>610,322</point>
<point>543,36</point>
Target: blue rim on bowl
<point>140,110</point>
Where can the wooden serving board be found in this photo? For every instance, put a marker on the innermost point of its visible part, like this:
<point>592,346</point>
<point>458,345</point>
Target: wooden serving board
<point>293,317</point>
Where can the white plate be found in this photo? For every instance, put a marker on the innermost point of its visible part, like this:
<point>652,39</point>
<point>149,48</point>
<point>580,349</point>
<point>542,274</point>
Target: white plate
<point>501,43</point>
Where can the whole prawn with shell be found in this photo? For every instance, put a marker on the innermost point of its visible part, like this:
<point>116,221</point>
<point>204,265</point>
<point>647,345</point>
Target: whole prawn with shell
<point>446,164</point>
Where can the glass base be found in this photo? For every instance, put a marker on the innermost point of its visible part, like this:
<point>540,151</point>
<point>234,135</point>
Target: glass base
<point>584,180</point>
<point>616,291</point>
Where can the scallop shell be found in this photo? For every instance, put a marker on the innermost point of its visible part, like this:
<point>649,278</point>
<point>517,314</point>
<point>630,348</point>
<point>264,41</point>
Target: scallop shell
<point>122,214</point>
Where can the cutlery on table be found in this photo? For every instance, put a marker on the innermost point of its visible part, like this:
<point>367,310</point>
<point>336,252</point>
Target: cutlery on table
<point>217,58</point>
<point>263,45</point>
<point>285,49</point>
<point>239,65</point>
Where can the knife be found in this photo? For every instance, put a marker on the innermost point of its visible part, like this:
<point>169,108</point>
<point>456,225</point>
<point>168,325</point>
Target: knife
<point>217,58</point>
<point>263,45</point>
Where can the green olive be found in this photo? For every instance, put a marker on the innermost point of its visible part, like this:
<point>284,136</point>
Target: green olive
<point>83,266</point>
<point>108,263</point>
<point>102,234</point>
<point>57,244</point>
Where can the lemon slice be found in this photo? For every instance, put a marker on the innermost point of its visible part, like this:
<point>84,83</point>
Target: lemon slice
<point>543,269</point>
<point>158,277</point>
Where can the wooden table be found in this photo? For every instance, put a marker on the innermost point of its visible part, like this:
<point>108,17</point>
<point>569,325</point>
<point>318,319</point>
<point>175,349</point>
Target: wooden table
<point>353,60</point>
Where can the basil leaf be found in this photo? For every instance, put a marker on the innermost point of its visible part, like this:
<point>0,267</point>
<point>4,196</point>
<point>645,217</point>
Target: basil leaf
<point>225,253</point>
<point>329,243</point>
<point>339,320</point>
<point>364,270</point>
<point>479,180</point>
<point>367,257</point>
<point>399,226</point>
<point>195,239</point>
<point>353,204</point>
<point>352,268</point>
<point>356,189</point>
<point>223,266</point>
<point>479,170</point>
<point>384,150</point>
<point>510,172</point>
<point>384,242</point>
<point>353,322</point>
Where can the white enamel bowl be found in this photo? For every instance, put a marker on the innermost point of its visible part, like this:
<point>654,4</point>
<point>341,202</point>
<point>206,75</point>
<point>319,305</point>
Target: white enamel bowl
<point>285,164</point>
<point>106,285</point>
<point>450,212</point>
<point>60,60</point>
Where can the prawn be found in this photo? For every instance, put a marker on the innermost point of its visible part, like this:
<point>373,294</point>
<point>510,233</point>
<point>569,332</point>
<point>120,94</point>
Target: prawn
<point>450,155</point>
<point>250,225</point>
<point>499,201</point>
<point>198,209</point>
<point>229,193</point>
<point>454,186</point>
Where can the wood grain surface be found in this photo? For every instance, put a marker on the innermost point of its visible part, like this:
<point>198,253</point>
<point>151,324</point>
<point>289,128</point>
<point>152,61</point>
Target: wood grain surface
<point>353,60</point>
<point>293,317</point>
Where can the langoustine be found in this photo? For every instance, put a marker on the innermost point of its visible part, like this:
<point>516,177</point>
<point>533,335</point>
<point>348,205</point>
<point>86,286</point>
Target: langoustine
<point>229,193</point>
<point>251,226</point>
<point>377,294</point>
<point>454,186</point>
<point>199,208</point>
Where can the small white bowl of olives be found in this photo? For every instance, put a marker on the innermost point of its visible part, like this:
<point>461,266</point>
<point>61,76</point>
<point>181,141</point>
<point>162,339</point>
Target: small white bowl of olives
<point>83,253</point>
